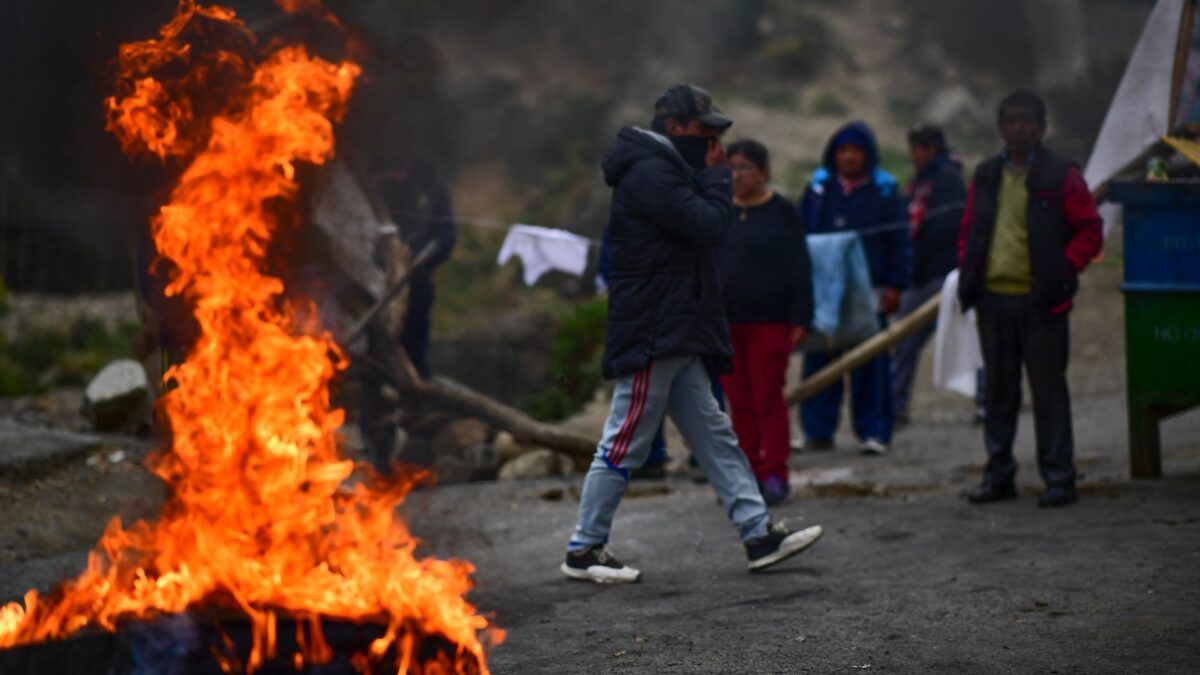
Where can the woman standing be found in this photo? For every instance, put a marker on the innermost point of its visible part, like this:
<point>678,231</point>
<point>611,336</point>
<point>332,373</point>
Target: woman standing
<point>767,286</point>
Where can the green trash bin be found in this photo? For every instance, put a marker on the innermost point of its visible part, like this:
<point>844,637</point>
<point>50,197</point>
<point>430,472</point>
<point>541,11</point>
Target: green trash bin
<point>1162,309</point>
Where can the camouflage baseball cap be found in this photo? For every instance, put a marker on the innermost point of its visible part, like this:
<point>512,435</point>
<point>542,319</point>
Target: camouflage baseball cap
<point>686,100</point>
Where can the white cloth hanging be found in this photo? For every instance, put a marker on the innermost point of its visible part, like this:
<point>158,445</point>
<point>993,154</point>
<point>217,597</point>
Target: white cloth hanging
<point>956,356</point>
<point>542,249</point>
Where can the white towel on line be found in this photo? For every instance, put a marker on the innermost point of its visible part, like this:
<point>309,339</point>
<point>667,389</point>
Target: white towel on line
<point>542,249</point>
<point>956,357</point>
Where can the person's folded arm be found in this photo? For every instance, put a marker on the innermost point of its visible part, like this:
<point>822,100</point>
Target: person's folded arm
<point>696,210</point>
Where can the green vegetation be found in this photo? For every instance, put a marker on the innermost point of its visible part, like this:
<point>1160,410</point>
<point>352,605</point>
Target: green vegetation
<point>903,110</point>
<point>794,177</point>
<point>794,40</point>
<point>575,368</point>
<point>895,162</point>
<point>69,355</point>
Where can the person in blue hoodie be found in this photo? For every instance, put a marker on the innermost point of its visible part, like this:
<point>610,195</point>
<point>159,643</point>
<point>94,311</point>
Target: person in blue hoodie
<point>850,192</point>
<point>666,334</point>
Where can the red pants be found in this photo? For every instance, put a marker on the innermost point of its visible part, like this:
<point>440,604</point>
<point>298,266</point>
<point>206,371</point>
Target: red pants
<point>755,393</point>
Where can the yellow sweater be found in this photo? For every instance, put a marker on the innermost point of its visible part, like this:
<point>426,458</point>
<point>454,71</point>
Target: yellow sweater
<point>1008,268</point>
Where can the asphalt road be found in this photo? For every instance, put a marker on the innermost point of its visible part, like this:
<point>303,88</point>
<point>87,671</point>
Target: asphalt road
<point>915,583</point>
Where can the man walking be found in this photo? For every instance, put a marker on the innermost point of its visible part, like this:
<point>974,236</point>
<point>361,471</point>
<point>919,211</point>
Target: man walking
<point>1029,229</point>
<point>936,196</point>
<point>672,203</point>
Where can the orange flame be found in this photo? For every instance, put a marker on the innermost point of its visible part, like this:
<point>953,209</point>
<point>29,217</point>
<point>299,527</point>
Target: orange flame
<point>257,518</point>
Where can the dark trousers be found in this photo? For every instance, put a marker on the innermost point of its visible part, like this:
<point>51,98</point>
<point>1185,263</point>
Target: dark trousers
<point>1011,333</point>
<point>907,355</point>
<point>417,324</point>
<point>908,352</point>
<point>379,416</point>
<point>870,399</point>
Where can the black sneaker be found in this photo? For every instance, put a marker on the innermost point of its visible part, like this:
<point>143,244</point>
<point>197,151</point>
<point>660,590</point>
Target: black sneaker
<point>779,544</point>
<point>989,494</point>
<point>1057,496</point>
<point>596,563</point>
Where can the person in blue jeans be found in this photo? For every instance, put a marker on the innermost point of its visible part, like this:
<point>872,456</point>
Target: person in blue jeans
<point>666,334</point>
<point>655,467</point>
<point>850,192</point>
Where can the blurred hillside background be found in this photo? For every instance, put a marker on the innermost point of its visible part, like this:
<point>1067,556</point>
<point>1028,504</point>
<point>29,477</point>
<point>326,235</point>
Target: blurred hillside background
<point>516,101</point>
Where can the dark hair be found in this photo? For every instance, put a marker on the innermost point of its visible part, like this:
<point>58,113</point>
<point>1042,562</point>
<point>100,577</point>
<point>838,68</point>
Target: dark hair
<point>752,150</point>
<point>1023,98</point>
<point>927,136</point>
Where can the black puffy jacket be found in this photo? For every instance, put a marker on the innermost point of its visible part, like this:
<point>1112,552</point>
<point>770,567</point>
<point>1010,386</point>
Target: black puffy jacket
<point>664,298</point>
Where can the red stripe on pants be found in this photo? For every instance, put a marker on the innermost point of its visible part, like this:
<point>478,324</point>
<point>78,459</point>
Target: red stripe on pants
<point>637,404</point>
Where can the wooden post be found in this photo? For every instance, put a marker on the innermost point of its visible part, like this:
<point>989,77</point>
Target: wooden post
<point>390,294</point>
<point>398,371</point>
<point>864,352</point>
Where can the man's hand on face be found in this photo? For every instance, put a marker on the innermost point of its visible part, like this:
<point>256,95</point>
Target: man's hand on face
<point>716,153</point>
<point>889,301</point>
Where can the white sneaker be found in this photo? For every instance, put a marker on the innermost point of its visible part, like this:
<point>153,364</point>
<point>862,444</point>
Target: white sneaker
<point>797,436</point>
<point>779,544</point>
<point>875,447</point>
<point>598,564</point>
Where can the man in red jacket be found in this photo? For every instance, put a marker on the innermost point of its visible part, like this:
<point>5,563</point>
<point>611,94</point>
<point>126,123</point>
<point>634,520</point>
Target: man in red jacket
<point>1030,227</point>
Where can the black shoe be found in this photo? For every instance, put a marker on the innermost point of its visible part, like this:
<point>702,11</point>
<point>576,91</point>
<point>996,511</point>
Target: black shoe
<point>901,420</point>
<point>649,472</point>
<point>779,544</point>
<point>814,445</point>
<point>1057,496</point>
<point>597,563</point>
<point>988,493</point>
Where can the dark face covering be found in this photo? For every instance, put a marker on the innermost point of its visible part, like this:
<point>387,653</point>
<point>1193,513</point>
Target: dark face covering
<point>693,148</point>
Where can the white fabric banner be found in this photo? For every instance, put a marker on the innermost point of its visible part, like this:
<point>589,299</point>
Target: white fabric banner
<point>1138,115</point>
<point>542,249</point>
<point>956,356</point>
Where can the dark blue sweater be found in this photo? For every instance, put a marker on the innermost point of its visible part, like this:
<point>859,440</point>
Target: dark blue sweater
<point>935,245</point>
<point>825,208</point>
<point>766,275</point>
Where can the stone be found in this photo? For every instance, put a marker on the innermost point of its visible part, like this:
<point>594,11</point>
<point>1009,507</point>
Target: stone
<point>455,438</point>
<point>539,463</point>
<point>118,397</point>
<point>482,461</point>
<point>951,106</point>
<point>451,470</point>
<point>24,449</point>
<point>508,448</point>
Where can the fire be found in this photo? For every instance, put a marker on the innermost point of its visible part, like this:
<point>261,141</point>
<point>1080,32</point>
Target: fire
<point>257,517</point>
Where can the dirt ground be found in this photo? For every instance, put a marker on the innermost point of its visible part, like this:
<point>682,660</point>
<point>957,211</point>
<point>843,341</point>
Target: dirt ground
<point>907,578</point>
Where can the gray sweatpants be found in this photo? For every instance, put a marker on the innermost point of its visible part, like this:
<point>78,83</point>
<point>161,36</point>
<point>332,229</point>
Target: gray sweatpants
<point>679,387</point>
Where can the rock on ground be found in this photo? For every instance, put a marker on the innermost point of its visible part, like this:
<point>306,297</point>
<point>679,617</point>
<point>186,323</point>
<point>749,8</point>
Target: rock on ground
<point>118,397</point>
<point>25,450</point>
<point>539,463</point>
